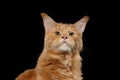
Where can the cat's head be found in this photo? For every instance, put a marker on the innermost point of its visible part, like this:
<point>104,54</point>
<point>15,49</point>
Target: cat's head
<point>61,36</point>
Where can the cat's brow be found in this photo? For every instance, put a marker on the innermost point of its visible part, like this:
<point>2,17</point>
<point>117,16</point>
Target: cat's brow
<point>64,28</point>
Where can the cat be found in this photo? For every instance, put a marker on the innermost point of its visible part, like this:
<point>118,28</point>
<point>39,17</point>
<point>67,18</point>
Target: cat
<point>60,58</point>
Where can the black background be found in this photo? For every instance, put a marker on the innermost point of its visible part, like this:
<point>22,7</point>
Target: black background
<point>24,34</point>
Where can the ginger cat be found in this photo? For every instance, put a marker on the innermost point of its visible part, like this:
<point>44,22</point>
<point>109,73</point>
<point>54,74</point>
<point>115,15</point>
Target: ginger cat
<point>60,59</point>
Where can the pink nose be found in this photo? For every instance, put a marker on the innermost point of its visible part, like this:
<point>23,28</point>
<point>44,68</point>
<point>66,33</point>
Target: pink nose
<point>64,37</point>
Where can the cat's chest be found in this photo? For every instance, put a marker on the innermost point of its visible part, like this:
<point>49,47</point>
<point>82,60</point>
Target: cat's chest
<point>66,61</point>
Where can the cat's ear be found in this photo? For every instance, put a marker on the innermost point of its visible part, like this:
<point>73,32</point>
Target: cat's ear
<point>47,21</point>
<point>81,24</point>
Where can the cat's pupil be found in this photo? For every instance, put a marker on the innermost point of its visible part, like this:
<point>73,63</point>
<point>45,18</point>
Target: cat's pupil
<point>71,34</point>
<point>57,33</point>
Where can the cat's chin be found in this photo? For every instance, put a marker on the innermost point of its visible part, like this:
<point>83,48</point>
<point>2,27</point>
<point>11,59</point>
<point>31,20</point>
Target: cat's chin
<point>64,47</point>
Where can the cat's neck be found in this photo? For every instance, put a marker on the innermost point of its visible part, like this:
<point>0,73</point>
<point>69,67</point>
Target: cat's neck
<point>55,54</point>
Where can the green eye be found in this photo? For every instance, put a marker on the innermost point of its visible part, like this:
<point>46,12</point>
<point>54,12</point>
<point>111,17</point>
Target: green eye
<point>71,34</point>
<point>57,33</point>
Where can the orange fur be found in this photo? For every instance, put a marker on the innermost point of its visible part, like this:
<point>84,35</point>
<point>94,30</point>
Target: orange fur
<point>60,59</point>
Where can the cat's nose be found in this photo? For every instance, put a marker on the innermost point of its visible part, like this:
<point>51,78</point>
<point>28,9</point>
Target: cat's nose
<point>64,37</point>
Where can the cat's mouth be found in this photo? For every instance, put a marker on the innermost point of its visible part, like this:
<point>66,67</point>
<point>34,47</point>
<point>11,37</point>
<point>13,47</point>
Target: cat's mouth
<point>64,42</point>
<point>64,46</point>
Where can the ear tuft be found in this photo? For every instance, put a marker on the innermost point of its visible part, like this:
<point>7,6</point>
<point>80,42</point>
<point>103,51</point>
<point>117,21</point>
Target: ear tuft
<point>43,14</point>
<point>85,18</point>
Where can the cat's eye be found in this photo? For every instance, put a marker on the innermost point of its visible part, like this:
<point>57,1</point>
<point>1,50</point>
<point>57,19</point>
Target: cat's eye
<point>71,34</point>
<point>57,33</point>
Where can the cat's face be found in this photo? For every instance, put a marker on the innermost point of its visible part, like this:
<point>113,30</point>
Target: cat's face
<point>63,37</point>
